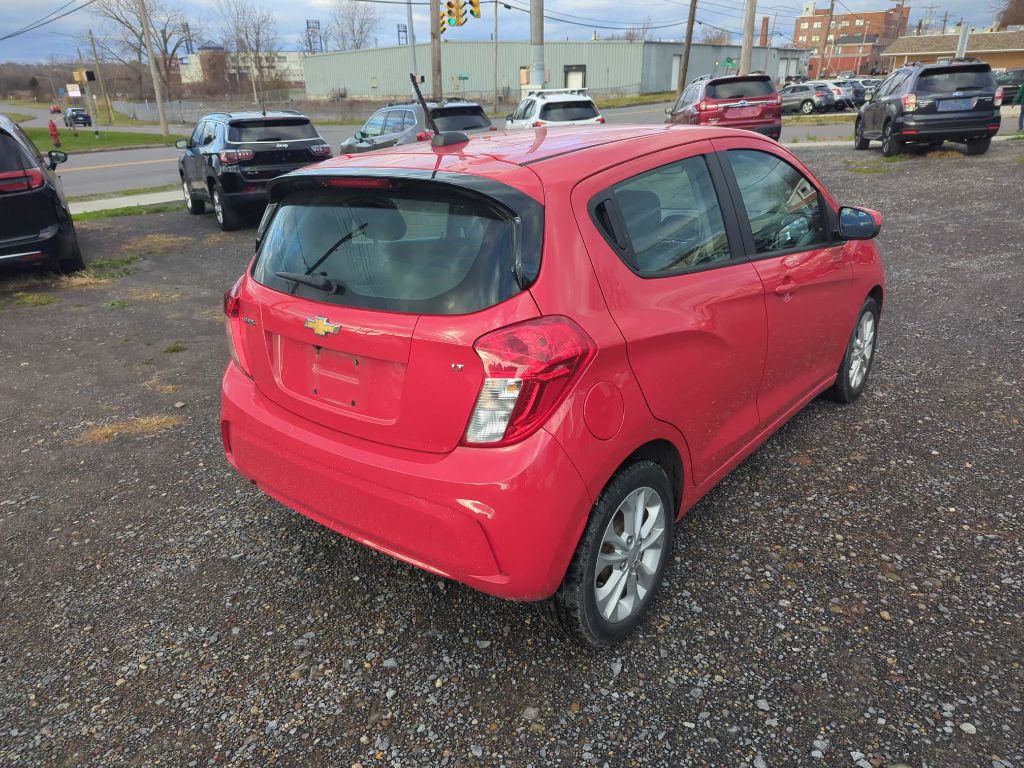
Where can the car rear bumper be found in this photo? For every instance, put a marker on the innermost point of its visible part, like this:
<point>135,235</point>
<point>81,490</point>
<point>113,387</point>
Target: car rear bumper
<point>505,521</point>
<point>935,126</point>
<point>50,246</point>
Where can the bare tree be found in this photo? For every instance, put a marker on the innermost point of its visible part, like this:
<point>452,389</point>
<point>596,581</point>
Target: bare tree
<point>712,36</point>
<point>1012,13</point>
<point>251,31</point>
<point>351,25</point>
<point>636,33</point>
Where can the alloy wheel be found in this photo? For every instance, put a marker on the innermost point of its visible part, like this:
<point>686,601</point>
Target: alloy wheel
<point>863,347</point>
<point>807,108</point>
<point>631,552</point>
<point>188,195</point>
<point>218,207</point>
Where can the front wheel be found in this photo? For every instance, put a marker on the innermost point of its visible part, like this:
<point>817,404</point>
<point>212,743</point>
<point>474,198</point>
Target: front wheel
<point>192,205</point>
<point>859,142</point>
<point>620,559</point>
<point>979,146</point>
<point>807,107</point>
<point>891,146</point>
<point>860,352</point>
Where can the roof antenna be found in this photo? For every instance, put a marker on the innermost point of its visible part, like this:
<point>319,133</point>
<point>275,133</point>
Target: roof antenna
<point>441,139</point>
<point>423,103</point>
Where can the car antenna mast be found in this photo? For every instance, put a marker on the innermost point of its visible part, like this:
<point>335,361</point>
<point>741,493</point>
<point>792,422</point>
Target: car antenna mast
<point>423,103</point>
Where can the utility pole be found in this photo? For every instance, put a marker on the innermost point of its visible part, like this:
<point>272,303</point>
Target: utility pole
<point>684,60</point>
<point>158,86</point>
<point>746,52</point>
<point>945,18</point>
<point>536,43</point>
<point>99,76</point>
<point>412,34</point>
<point>435,50</point>
<point>494,107</point>
<point>824,42</point>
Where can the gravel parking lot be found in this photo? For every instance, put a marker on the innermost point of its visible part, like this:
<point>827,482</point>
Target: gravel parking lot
<point>852,595</point>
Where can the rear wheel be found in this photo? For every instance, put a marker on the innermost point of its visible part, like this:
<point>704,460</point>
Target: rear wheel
<point>227,217</point>
<point>192,205</point>
<point>860,352</point>
<point>979,146</point>
<point>72,263</point>
<point>891,146</point>
<point>620,559</point>
<point>859,142</point>
<point>807,107</point>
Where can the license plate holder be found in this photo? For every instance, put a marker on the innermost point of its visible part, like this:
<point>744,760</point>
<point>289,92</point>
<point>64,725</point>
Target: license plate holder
<point>956,105</point>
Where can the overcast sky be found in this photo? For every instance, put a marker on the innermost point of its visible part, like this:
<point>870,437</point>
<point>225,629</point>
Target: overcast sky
<point>667,16</point>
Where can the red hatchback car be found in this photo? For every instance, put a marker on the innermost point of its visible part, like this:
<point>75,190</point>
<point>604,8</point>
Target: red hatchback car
<point>516,361</point>
<point>739,101</point>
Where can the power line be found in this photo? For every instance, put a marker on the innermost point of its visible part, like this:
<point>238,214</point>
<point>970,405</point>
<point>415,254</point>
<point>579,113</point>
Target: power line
<point>44,21</point>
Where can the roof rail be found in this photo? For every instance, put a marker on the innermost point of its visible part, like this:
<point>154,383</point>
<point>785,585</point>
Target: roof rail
<point>556,92</point>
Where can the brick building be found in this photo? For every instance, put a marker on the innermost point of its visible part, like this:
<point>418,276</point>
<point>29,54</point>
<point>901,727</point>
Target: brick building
<point>852,42</point>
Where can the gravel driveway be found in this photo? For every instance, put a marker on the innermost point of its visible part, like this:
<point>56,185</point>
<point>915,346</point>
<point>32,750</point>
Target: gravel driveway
<point>852,595</point>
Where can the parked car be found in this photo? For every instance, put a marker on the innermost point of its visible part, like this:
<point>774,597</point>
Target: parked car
<point>405,123</point>
<point>857,90</point>
<point>517,360</point>
<point>795,79</point>
<point>76,116</point>
<point>35,225</point>
<point>1010,81</point>
<point>54,109</point>
<point>230,157</point>
<point>807,98</point>
<point>843,93</point>
<point>554,106</point>
<point>743,101</point>
<point>932,103</point>
<point>869,85</point>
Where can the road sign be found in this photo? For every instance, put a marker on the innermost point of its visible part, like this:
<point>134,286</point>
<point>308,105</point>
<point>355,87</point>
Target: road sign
<point>463,77</point>
<point>74,91</point>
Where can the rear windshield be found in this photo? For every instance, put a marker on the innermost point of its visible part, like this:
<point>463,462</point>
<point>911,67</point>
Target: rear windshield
<point>561,111</point>
<point>11,156</point>
<point>287,129</point>
<point>949,80</point>
<point>459,118</point>
<point>822,89</point>
<point>739,89</point>
<point>426,250</point>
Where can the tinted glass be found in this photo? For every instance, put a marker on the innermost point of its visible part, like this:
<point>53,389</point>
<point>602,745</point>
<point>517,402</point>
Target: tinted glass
<point>781,204</point>
<point>11,156</point>
<point>673,218</point>
<point>286,129</point>
<point>374,125</point>
<point>739,89</point>
<point>436,251</point>
<point>949,80</point>
<point>394,121</point>
<point>197,134</point>
<point>560,111</point>
<point>459,118</point>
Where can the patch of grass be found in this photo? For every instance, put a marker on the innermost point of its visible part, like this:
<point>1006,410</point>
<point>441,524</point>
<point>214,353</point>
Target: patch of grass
<point>870,169</point>
<point>27,103</point>
<point>18,117</point>
<point>894,159</point>
<point>122,193</point>
<point>171,349</point>
<point>85,139</point>
<point>112,268</point>
<point>155,243</point>
<point>1020,158</point>
<point>128,210</point>
<point>115,304</point>
<point>612,102</point>
<point>947,154</point>
<point>144,425</point>
<point>822,119</point>
<point>155,295</point>
<point>22,299</point>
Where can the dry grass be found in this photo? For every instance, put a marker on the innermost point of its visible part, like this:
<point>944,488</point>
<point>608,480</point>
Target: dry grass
<point>84,279</point>
<point>948,154</point>
<point>143,425</point>
<point>155,383</point>
<point>156,243</point>
<point>155,295</point>
<point>215,238</point>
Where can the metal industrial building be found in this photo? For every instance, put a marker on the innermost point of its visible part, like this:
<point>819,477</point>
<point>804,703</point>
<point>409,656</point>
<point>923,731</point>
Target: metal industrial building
<point>603,66</point>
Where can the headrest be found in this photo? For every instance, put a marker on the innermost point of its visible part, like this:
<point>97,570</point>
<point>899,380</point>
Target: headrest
<point>640,208</point>
<point>383,219</point>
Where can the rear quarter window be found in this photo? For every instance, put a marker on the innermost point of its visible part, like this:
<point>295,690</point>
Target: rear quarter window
<point>12,157</point>
<point>563,111</point>
<point>271,130</point>
<point>739,89</point>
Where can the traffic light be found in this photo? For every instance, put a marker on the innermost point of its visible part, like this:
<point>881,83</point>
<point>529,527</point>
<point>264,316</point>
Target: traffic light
<point>456,13</point>
<point>443,21</point>
<point>474,8</point>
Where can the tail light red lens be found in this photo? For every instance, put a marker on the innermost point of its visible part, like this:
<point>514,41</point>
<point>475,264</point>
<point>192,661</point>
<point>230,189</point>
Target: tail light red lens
<point>424,136</point>
<point>600,119</point>
<point>998,101</point>
<point>703,106</point>
<point>539,123</point>
<point>21,181</point>
<point>529,369</point>
<point>232,156</point>
<point>321,150</point>
<point>909,101</point>
<point>233,328</point>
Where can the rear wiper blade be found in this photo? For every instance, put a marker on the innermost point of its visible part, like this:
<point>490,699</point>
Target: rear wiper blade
<point>319,282</point>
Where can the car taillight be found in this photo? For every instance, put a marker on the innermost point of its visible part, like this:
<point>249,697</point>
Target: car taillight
<point>232,156</point>
<point>529,369</point>
<point>424,136</point>
<point>600,119</point>
<point>909,101</point>
<point>998,100</point>
<point>777,100</point>
<point>321,150</point>
<point>232,327</point>
<point>539,123</point>
<point>21,181</point>
<point>703,106</point>
<point>837,91</point>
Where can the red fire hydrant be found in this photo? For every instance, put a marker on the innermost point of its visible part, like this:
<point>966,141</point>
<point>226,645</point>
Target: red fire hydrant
<point>54,134</point>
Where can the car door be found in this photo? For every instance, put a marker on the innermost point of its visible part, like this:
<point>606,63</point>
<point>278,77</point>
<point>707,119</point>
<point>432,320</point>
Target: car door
<point>807,275</point>
<point>878,105</point>
<point>689,305</point>
<point>203,159</point>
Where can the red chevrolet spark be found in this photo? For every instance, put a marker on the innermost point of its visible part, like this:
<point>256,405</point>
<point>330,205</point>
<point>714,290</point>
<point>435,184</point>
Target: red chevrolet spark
<point>517,360</point>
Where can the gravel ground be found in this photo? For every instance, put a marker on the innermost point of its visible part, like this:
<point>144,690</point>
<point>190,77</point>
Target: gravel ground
<point>851,595</point>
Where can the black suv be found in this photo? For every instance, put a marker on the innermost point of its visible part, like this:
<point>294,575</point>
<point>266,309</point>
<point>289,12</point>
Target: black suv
<point>35,225</point>
<point>230,157</point>
<point>74,116</point>
<point>932,103</point>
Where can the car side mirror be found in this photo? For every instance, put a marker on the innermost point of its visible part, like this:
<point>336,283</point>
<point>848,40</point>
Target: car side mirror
<point>668,110</point>
<point>859,223</point>
<point>509,115</point>
<point>868,96</point>
<point>56,158</point>
<point>181,143</point>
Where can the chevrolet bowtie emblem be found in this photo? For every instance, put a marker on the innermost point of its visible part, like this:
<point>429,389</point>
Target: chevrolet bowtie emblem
<point>321,326</point>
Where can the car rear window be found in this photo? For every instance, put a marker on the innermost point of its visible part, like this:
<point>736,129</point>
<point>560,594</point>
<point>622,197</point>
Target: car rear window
<point>287,129</point>
<point>427,249</point>
<point>739,89</point>
<point>959,79</point>
<point>459,118</point>
<point>562,111</point>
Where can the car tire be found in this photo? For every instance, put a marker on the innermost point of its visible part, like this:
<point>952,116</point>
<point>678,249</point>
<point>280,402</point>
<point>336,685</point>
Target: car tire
<point>631,565</point>
<point>891,146</point>
<point>859,142</point>
<point>807,107</point>
<point>853,372</point>
<point>227,217</point>
<point>73,263</point>
<point>192,204</point>
<point>980,145</point>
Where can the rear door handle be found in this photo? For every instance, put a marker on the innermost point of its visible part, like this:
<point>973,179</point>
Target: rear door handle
<point>787,287</point>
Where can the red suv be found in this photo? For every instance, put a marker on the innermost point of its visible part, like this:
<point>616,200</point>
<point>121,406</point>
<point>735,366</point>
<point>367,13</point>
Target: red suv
<point>517,360</point>
<point>742,101</point>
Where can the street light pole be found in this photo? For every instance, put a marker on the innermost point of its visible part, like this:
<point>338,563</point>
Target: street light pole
<point>435,50</point>
<point>536,43</point>
<point>494,108</point>
<point>412,34</point>
<point>158,86</point>
<point>746,52</point>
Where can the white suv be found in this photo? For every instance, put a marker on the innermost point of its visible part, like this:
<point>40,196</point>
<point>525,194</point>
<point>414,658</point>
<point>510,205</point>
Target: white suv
<point>554,106</point>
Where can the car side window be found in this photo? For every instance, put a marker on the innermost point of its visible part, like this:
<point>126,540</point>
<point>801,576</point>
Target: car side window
<point>394,121</point>
<point>374,125</point>
<point>408,119</point>
<point>673,220</point>
<point>209,133</point>
<point>197,134</point>
<point>27,143</point>
<point>783,207</point>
